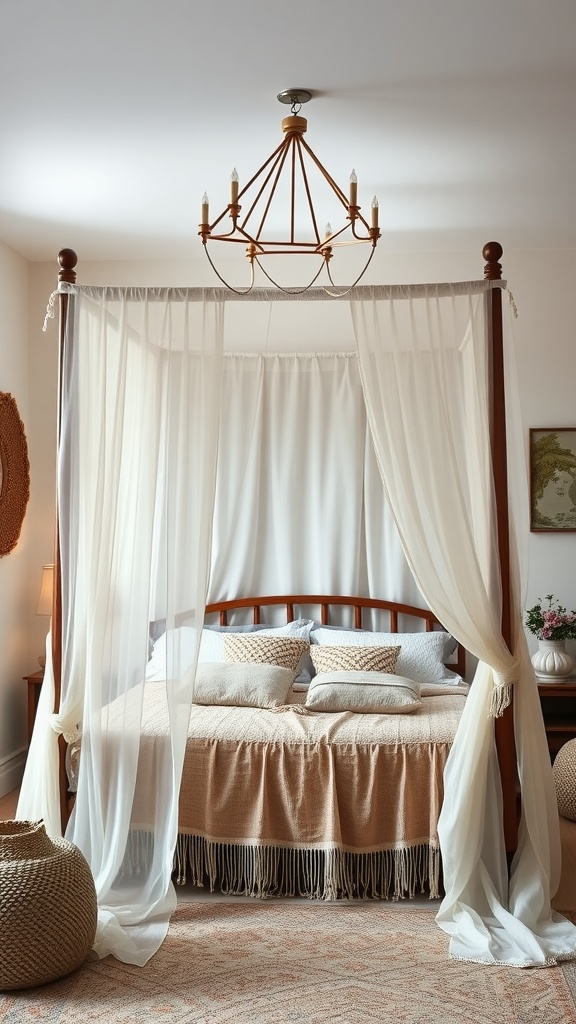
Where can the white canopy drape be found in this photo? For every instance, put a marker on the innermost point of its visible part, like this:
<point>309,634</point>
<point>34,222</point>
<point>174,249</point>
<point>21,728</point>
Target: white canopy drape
<point>425,374</point>
<point>299,505</point>
<point>143,382</point>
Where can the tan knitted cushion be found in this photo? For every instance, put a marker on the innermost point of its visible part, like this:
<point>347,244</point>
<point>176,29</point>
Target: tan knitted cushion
<point>354,659</point>
<point>564,770</point>
<point>272,650</point>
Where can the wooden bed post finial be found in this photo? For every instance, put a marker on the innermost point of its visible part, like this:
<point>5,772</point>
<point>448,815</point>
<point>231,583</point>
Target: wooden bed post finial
<point>67,259</point>
<point>492,253</point>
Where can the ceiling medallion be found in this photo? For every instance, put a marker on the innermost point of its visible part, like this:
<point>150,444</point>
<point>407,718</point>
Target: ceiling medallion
<point>284,182</point>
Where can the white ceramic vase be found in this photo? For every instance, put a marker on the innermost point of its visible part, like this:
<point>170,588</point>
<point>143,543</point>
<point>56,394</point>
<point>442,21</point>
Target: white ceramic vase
<point>552,660</point>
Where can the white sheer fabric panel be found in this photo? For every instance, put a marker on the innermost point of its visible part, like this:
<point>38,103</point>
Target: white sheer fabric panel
<point>424,367</point>
<point>300,506</point>
<point>39,796</point>
<point>142,390</point>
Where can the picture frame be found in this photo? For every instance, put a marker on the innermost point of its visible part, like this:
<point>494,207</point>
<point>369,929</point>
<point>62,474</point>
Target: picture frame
<point>552,479</point>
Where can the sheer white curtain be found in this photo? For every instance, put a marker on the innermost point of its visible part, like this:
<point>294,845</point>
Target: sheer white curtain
<point>300,506</point>
<point>142,384</point>
<point>425,364</point>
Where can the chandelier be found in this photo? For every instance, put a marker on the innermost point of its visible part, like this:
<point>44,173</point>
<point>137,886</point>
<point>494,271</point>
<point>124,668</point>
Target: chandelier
<point>284,182</point>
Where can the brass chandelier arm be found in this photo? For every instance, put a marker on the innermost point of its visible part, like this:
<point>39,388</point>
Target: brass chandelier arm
<point>254,177</point>
<point>301,143</point>
<point>280,166</point>
<point>348,288</point>
<point>328,177</point>
<point>237,291</point>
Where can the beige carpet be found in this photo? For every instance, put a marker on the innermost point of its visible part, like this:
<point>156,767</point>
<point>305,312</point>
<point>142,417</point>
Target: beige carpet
<point>267,963</point>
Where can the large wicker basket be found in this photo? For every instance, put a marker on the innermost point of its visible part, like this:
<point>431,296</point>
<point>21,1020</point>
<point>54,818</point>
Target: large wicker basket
<point>564,769</point>
<point>47,906</point>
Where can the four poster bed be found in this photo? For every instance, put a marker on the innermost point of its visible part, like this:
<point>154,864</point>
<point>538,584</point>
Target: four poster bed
<point>220,747</point>
<point>300,791</point>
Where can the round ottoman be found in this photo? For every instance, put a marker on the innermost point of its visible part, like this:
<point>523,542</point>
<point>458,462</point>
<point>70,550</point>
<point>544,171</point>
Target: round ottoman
<point>47,906</point>
<point>564,769</point>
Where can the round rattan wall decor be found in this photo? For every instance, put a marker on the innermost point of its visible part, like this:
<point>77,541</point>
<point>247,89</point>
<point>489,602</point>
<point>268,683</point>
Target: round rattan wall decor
<point>14,473</point>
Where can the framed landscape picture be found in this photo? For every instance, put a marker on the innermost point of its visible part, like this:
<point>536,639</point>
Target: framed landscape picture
<point>552,479</point>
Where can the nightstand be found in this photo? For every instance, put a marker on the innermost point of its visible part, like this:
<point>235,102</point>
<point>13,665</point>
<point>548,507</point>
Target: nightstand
<point>558,702</point>
<point>34,681</point>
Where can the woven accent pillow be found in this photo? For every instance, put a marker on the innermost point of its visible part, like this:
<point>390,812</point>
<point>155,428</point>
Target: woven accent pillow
<point>354,659</point>
<point>363,693</point>
<point>272,650</point>
<point>242,685</point>
<point>564,770</point>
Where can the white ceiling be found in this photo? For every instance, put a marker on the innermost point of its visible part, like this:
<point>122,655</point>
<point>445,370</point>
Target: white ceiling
<point>116,115</point>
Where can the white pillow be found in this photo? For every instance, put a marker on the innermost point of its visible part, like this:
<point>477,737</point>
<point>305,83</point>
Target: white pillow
<point>363,693</point>
<point>242,685</point>
<point>180,643</point>
<point>421,656</point>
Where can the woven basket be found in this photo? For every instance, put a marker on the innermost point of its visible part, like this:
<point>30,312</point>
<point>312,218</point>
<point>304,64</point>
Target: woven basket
<point>47,906</point>
<point>564,770</point>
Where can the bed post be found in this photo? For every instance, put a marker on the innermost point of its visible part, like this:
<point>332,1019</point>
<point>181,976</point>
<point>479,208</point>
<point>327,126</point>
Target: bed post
<point>505,744</point>
<point>67,260</point>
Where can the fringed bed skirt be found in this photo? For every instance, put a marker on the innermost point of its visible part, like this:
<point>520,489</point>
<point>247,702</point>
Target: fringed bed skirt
<point>326,874</point>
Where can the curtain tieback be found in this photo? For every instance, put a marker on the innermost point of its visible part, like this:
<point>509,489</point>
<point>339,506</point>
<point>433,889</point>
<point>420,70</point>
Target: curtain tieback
<point>70,731</point>
<point>502,692</point>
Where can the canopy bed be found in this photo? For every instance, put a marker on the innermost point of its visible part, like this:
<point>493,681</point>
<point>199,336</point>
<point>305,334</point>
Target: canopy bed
<point>159,434</point>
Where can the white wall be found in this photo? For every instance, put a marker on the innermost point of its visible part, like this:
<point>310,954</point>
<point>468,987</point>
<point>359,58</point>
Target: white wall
<point>15,566</point>
<point>544,288</point>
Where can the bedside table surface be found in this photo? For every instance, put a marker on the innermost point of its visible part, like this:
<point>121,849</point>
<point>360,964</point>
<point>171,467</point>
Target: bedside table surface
<point>34,677</point>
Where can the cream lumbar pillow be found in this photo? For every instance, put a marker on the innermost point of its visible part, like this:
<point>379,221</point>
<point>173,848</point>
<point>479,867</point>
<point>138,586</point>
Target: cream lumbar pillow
<point>363,693</point>
<point>354,659</point>
<point>242,685</point>
<point>272,650</point>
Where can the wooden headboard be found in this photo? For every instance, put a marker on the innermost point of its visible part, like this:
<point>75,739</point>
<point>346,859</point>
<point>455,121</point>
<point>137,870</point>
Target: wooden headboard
<point>396,617</point>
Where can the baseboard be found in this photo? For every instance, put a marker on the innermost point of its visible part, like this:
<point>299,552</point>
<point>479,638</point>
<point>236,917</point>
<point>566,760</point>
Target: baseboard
<point>11,772</point>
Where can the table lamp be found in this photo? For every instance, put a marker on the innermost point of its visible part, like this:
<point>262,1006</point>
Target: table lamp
<point>44,605</point>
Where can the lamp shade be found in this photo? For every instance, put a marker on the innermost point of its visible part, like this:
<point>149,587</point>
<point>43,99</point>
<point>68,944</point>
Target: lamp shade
<point>44,606</point>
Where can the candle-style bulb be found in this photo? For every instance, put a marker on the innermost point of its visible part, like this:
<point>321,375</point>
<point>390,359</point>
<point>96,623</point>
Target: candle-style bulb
<point>353,188</point>
<point>234,186</point>
<point>374,212</point>
<point>204,214</point>
<point>327,231</point>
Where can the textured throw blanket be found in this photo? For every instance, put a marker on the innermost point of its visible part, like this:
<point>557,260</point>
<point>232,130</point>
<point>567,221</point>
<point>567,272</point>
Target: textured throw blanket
<point>280,801</point>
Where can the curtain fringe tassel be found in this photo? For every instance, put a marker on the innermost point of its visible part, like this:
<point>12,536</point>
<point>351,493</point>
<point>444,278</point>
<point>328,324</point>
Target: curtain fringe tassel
<point>500,700</point>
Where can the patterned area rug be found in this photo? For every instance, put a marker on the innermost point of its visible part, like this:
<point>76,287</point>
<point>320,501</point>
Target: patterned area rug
<point>266,963</point>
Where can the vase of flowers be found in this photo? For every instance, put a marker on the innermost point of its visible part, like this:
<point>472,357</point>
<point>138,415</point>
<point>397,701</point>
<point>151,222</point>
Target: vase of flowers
<point>553,625</point>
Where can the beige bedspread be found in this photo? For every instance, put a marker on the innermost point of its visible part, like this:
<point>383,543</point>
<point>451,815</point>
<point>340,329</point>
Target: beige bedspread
<point>349,788</point>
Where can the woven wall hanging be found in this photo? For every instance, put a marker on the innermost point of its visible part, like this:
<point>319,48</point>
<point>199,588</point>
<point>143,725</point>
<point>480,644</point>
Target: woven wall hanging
<point>14,473</point>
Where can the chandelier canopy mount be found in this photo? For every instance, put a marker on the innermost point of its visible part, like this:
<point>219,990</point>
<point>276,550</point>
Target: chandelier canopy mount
<point>282,187</point>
